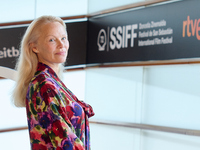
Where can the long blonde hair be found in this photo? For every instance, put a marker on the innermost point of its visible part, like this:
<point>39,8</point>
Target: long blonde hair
<point>27,61</point>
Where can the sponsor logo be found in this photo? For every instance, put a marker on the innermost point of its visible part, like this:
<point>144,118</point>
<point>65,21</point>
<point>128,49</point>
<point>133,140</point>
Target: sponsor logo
<point>191,28</point>
<point>8,53</point>
<point>147,34</point>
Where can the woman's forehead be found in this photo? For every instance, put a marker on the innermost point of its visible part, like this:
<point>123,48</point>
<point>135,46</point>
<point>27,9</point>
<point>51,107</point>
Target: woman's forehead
<point>52,27</point>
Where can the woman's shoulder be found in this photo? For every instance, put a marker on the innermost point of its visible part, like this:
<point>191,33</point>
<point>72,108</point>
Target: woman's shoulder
<point>42,79</point>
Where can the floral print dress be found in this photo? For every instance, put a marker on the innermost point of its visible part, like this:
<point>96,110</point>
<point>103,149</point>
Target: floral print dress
<point>57,120</point>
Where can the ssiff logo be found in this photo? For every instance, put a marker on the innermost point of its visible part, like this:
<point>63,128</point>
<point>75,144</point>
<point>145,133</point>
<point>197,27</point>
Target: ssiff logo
<point>101,40</point>
<point>117,37</point>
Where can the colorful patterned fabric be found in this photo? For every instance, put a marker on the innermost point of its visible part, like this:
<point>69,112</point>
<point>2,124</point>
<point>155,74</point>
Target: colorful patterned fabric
<point>57,120</point>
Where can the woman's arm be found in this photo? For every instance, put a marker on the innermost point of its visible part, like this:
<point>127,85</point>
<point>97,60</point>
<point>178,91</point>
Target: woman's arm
<point>47,126</point>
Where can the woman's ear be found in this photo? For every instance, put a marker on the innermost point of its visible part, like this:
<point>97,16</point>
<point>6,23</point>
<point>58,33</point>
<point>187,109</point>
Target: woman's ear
<point>35,50</point>
<point>33,47</point>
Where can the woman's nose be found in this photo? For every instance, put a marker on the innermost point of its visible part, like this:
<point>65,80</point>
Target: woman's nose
<point>60,44</point>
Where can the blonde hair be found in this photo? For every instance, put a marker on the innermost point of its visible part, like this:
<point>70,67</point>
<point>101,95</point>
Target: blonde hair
<point>28,61</point>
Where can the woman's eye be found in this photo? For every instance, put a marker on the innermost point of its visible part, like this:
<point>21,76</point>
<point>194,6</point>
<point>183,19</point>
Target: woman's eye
<point>64,38</point>
<point>51,40</point>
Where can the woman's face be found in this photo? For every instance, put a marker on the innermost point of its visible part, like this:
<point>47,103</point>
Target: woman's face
<point>52,45</point>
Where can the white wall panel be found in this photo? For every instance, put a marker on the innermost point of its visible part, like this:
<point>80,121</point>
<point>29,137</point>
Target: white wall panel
<point>62,8</point>
<point>97,5</point>
<point>166,141</point>
<point>113,138</point>
<point>75,81</point>
<point>10,115</point>
<point>17,10</point>
<point>115,93</point>
<point>17,140</point>
<point>172,96</point>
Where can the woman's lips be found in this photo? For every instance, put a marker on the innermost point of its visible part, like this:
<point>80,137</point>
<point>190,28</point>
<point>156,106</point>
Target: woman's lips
<point>61,53</point>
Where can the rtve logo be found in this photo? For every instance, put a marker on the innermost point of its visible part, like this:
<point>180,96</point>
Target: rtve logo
<point>120,37</point>
<point>191,27</point>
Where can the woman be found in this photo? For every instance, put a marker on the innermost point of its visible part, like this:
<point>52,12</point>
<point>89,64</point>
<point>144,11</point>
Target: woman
<point>56,118</point>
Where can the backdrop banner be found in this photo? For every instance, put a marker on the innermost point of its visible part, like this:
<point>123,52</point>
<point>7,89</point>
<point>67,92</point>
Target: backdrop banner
<point>10,37</point>
<point>160,32</point>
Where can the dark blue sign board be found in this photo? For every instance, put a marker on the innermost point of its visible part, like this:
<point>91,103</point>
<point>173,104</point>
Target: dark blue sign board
<point>10,38</point>
<point>164,32</point>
